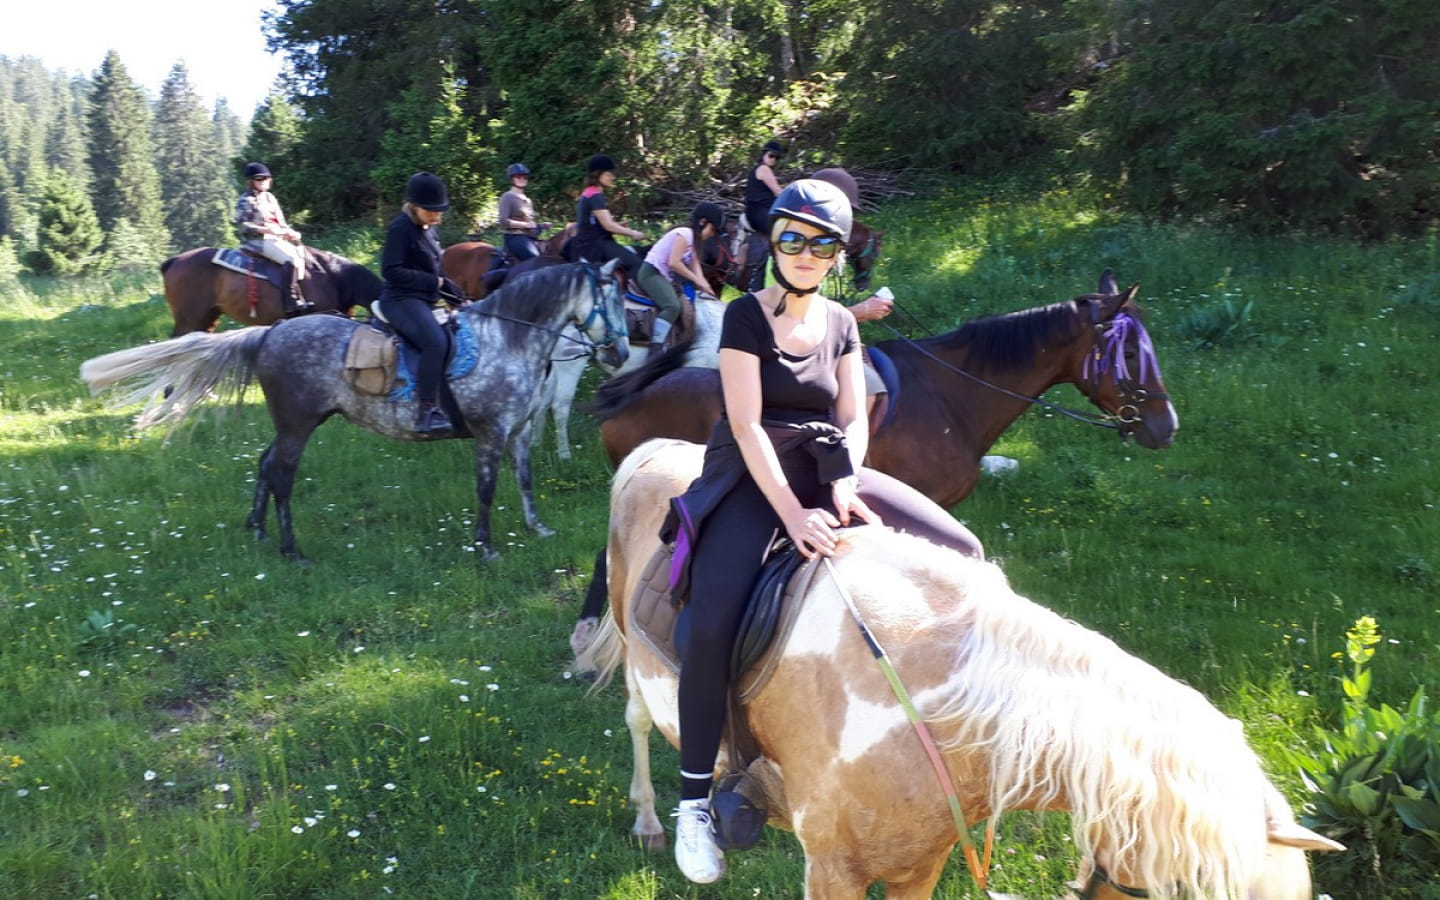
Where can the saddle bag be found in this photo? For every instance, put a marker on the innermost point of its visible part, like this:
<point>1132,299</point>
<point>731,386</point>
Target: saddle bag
<point>370,361</point>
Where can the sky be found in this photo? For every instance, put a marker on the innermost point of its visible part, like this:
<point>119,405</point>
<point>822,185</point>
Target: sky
<point>220,42</point>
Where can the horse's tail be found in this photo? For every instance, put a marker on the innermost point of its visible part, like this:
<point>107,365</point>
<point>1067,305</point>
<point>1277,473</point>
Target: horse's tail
<point>612,397</point>
<point>172,376</point>
<point>605,653</point>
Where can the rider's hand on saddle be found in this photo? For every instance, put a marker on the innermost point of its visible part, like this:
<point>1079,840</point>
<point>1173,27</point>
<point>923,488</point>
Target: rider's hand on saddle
<point>812,531</point>
<point>451,292</point>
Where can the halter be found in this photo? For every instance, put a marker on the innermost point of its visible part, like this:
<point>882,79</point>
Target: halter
<point>1109,352</point>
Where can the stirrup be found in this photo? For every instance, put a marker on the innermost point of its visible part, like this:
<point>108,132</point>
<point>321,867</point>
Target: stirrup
<point>432,419</point>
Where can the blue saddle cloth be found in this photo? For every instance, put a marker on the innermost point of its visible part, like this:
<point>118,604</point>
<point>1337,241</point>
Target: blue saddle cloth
<point>888,374</point>
<point>237,260</point>
<point>463,357</point>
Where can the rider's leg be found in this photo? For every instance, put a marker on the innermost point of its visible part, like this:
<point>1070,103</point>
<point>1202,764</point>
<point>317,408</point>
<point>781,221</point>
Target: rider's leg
<point>521,247</point>
<point>666,298</point>
<point>413,319</point>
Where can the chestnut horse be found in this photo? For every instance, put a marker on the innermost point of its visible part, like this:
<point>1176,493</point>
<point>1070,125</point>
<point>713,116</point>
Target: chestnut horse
<point>199,291</point>
<point>1022,709</point>
<point>958,391</point>
<point>468,262</point>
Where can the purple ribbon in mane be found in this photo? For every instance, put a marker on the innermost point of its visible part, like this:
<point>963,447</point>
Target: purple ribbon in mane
<point>1110,356</point>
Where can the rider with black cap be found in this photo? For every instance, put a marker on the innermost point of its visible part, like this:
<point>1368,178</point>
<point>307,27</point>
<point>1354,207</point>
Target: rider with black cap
<point>410,265</point>
<point>517,216</point>
<point>264,231</point>
<point>595,226</point>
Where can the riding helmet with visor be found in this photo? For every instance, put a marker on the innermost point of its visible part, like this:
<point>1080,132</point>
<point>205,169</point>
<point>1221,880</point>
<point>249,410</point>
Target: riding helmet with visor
<point>817,203</point>
<point>427,191</point>
<point>599,163</point>
<point>710,212</point>
<point>517,169</point>
<point>256,170</point>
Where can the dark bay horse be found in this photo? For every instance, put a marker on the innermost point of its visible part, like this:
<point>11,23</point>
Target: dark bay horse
<point>199,291</point>
<point>958,391</point>
<point>300,366</point>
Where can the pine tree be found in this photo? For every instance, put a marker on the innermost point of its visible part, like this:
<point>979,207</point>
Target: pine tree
<point>69,238</point>
<point>274,134</point>
<point>192,176</point>
<point>126,184</point>
<point>429,132</point>
<point>230,131</point>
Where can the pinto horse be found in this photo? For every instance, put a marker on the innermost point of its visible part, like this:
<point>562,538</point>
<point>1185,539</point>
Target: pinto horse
<point>957,392</point>
<point>1023,710</point>
<point>199,291</point>
<point>300,364</point>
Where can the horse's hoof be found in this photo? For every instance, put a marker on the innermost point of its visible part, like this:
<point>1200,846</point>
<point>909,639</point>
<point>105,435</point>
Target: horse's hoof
<point>544,530</point>
<point>651,841</point>
<point>486,553</point>
<point>583,635</point>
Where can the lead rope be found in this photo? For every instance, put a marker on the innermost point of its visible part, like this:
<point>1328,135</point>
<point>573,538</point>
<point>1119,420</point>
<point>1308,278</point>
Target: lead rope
<point>979,867</point>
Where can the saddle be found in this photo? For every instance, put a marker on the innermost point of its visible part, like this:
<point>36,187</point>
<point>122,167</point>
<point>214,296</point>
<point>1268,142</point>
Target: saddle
<point>380,363</point>
<point>238,259</point>
<point>775,600</point>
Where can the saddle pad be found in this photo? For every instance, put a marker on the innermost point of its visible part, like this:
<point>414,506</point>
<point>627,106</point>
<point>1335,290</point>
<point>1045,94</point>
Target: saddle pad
<point>370,360</point>
<point>245,263</point>
<point>464,357</point>
<point>653,617</point>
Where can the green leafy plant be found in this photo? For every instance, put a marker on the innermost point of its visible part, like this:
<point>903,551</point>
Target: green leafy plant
<point>1375,786</point>
<point>1221,324</point>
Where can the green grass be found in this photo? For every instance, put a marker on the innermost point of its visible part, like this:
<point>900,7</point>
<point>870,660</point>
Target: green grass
<point>187,715</point>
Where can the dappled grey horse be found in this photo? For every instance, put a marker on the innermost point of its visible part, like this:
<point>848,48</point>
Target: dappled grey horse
<point>300,366</point>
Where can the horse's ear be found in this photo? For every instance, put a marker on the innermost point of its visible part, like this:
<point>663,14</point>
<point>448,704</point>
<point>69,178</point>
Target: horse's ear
<point>608,270</point>
<point>1292,834</point>
<point>1130,295</point>
<point>1107,282</point>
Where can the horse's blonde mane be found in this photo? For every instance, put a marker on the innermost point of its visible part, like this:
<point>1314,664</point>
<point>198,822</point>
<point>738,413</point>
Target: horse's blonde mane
<point>1158,780</point>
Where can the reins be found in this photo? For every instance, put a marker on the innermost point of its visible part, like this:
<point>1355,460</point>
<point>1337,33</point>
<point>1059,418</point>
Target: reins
<point>597,310</point>
<point>978,863</point>
<point>1115,330</point>
<point>979,866</point>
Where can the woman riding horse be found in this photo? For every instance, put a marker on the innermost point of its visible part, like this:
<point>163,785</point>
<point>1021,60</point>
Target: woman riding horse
<point>787,458</point>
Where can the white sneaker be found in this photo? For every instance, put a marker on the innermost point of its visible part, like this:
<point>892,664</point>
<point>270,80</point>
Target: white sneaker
<point>700,859</point>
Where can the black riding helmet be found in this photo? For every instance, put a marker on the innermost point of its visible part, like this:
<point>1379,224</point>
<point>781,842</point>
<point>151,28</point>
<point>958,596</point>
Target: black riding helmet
<point>427,191</point>
<point>774,147</point>
<point>818,203</point>
<point>843,180</point>
<point>600,163</point>
<point>256,170</point>
<point>710,212</point>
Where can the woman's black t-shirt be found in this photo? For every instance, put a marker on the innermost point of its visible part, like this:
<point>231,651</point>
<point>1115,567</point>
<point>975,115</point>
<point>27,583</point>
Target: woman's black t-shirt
<point>793,388</point>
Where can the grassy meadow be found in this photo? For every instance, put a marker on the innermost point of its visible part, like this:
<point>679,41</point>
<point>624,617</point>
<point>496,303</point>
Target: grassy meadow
<point>186,715</point>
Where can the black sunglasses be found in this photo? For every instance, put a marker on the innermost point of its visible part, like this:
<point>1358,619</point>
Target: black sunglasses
<point>822,246</point>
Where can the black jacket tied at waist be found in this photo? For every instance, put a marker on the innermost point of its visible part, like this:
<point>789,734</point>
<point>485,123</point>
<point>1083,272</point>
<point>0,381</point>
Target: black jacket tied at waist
<point>725,466</point>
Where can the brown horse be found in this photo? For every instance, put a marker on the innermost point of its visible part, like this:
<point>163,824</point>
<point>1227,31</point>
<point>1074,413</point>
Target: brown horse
<point>468,262</point>
<point>958,391</point>
<point>1014,708</point>
<point>199,291</point>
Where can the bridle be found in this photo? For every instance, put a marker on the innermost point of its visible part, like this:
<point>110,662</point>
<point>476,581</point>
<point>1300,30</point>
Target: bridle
<point>1108,353</point>
<point>599,309</point>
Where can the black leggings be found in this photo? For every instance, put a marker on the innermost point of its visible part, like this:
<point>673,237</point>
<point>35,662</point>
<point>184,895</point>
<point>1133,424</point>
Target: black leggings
<point>414,320</point>
<point>727,558</point>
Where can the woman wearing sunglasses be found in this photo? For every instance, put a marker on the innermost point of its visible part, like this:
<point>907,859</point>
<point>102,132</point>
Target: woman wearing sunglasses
<point>784,461</point>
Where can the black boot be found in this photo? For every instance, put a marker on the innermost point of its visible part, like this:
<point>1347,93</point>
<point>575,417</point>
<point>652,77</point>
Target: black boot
<point>430,417</point>
<point>292,302</point>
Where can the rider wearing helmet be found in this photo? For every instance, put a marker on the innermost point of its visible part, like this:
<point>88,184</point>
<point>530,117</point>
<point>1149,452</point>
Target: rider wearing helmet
<point>674,257</point>
<point>517,216</point>
<point>410,265</point>
<point>785,458</point>
<point>762,187</point>
<point>595,227</point>
<point>264,231</point>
